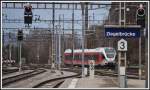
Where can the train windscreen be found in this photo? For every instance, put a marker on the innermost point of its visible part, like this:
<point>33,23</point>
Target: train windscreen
<point>110,53</point>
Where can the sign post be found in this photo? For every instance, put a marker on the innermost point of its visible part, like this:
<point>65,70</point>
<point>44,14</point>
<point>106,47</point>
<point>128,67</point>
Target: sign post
<point>20,38</point>
<point>128,31</point>
<point>122,31</point>
<point>91,68</point>
<point>122,48</point>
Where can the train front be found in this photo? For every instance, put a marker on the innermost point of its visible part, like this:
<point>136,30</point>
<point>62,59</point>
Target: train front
<point>110,55</point>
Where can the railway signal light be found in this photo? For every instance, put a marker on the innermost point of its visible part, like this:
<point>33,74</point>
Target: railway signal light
<point>28,14</point>
<point>20,35</point>
<point>140,14</point>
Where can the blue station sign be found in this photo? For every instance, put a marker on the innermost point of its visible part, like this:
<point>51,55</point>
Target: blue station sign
<point>122,32</point>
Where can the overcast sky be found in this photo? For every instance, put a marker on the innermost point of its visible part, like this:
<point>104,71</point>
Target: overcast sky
<point>46,14</point>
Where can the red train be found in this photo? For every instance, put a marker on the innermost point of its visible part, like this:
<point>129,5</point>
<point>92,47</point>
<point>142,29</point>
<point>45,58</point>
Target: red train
<point>101,56</point>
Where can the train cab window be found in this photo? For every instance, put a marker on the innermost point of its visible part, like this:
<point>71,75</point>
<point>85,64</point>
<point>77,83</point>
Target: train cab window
<point>110,55</point>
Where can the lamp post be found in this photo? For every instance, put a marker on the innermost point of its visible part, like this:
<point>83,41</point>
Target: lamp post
<point>58,47</point>
<point>83,10</point>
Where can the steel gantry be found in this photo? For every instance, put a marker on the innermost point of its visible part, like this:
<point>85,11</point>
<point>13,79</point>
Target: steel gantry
<point>59,5</point>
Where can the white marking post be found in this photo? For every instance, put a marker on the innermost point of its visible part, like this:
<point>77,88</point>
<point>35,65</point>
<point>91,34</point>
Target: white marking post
<point>91,68</point>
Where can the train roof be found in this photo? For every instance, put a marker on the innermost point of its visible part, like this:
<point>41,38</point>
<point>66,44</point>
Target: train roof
<point>100,49</point>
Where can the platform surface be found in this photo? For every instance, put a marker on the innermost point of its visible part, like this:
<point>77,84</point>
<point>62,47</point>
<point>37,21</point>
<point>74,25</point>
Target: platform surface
<point>100,82</point>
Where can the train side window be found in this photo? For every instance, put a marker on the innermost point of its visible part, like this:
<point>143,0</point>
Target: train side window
<point>76,57</point>
<point>70,57</point>
<point>89,57</point>
<point>92,57</point>
<point>95,57</point>
<point>67,57</point>
<point>80,57</point>
<point>86,57</point>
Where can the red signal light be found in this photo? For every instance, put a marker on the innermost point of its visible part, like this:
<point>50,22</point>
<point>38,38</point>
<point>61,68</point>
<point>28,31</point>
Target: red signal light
<point>28,9</point>
<point>140,12</point>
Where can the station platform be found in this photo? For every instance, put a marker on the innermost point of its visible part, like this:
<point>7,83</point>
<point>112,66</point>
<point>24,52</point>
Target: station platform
<point>100,82</point>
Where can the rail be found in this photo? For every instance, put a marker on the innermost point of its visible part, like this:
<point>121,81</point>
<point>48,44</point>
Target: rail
<point>58,81</point>
<point>15,78</point>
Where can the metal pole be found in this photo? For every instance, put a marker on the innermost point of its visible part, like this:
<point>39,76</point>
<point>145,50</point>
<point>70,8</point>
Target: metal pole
<point>140,72</point>
<point>119,52</point>
<point>20,63</point>
<point>38,53</point>
<point>146,59</point>
<point>56,46</point>
<point>3,38</point>
<point>2,46</point>
<point>63,39</point>
<point>120,13</point>
<point>9,47</point>
<point>73,35</point>
<point>146,47</point>
<point>124,10</point>
<point>49,58</point>
<point>59,51</point>
<point>122,54</point>
<point>63,34</point>
<point>53,65</point>
<point>59,42</point>
<point>94,22</point>
<point>86,23</point>
<point>50,46</point>
<point>82,5</point>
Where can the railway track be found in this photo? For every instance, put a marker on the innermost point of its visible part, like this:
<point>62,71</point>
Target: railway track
<point>114,74</point>
<point>107,72</point>
<point>56,82</point>
<point>9,71</point>
<point>8,80</point>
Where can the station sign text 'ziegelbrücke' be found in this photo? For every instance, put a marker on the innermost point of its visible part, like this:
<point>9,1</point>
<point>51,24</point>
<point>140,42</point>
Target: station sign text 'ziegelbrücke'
<point>122,32</point>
